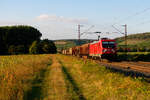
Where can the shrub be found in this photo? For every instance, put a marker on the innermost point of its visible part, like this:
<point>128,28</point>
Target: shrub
<point>34,48</point>
<point>43,47</point>
<point>47,46</point>
<point>20,49</point>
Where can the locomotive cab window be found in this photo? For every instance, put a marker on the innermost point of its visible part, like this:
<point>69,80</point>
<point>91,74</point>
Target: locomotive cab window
<point>108,44</point>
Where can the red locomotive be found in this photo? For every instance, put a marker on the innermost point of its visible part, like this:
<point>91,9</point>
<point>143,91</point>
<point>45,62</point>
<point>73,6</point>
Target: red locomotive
<point>104,48</point>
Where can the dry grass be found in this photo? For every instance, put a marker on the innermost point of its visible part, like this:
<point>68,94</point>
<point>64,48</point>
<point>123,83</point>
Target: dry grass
<point>59,85</point>
<point>17,74</point>
<point>98,83</point>
<point>32,77</point>
<point>54,84</point>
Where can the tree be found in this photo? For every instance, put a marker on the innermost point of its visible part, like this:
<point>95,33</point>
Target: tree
<point>20,49</point>
<point>17,36</point>
<point>11,50</point>
<point>42,47</point>
<point>34,48</point>
<point>47,46</point>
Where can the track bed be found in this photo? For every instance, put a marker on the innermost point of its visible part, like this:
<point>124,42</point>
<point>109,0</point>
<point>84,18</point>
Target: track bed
<point>136,68</point>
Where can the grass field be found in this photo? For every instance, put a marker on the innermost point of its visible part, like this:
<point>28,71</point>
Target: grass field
<point>60,77</point>
<point>21,75</point>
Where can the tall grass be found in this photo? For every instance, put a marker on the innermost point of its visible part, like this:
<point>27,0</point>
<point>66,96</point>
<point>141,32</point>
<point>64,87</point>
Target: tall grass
<point>54,87</point>
<point>17,74</point>
<point>98,83</point>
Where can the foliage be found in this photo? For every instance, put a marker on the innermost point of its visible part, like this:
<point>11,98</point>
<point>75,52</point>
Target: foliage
<point>20,49</point>
<point>47,46</point>
<point>34,48</point>
<point>23,40</point>
<point>134,56</point>
<point>17,36</point>
<point>42,47</point>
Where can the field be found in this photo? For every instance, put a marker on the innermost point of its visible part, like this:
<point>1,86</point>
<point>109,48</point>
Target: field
<point>140,40</point>
<point>60,77</point>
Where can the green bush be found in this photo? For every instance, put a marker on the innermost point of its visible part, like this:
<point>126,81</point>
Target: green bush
<point>34,48</point>
<point>47,46</point>
<point>17,38</point>
<point>134,57</point>
<point>43,47</point>
<point>20,49</point>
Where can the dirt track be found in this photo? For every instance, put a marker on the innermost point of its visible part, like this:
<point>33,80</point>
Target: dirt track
<point>56,83</point>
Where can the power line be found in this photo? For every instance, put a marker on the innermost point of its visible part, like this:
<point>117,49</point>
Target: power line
<point>145,22</point>
<point>133,15</point>
<point>136,14</point>
<point>87,30</point>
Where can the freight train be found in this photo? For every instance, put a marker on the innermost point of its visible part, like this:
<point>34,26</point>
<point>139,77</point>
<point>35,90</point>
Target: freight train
<point>104,48</point>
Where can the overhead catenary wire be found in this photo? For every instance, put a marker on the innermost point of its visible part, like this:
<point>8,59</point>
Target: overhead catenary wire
<point>133,15</point>
<point>87,30</point>
<point>128,17</point>
<point>124,19</point>
<point>144,22</point>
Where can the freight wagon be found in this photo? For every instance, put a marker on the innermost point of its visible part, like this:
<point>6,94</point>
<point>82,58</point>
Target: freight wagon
<point>104,48</point>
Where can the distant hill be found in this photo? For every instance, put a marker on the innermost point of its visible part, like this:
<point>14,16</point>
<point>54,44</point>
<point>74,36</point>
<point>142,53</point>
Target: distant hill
<point>138,40</point>
<point>67,43</point>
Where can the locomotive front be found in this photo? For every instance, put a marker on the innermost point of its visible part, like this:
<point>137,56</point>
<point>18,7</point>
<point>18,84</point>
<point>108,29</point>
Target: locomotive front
<point>104,48</point>
<point>108,47</point>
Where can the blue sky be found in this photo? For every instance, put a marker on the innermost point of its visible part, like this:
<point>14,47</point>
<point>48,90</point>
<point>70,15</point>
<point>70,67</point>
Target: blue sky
<point>58,19</point>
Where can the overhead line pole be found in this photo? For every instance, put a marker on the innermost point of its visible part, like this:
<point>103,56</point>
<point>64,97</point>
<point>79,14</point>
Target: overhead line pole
<point>125,26</point>
<point>98,34</point>
<point>79,33</point>
<point>125,36</point>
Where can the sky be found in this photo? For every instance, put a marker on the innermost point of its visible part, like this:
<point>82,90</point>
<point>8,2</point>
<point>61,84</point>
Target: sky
<point>59,19</point>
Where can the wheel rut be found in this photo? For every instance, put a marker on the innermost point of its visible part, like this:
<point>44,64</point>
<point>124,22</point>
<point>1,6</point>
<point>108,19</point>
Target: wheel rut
<point>55,83</point>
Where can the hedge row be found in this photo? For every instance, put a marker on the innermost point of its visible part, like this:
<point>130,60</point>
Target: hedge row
<point>134,57</point>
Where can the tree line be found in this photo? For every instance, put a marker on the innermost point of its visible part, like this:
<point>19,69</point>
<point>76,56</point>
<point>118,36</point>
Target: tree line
<point>134,48</point>
<point>23,40</point>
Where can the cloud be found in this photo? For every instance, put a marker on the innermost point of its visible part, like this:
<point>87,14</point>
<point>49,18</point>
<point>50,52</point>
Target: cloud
<point>9,23</point>
<point>54,18</point>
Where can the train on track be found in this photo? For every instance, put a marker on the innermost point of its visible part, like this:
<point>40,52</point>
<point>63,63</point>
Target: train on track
<point>104,48</point>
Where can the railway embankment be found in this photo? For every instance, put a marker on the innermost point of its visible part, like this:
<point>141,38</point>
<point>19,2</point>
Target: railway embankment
<point>128,69</point>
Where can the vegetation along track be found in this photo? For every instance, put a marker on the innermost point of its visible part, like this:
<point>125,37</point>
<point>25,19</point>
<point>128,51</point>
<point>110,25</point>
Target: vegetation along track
<point>59,84</point>
<point>55,82</point>
<point>91,81</point>
<point>134,68</point>
<point>61,77</point>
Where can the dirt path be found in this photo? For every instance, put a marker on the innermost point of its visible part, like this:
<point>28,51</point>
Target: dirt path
<point>55,83</point>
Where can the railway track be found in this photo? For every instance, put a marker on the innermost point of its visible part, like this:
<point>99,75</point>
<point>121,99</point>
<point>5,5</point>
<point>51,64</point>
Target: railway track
<point>129,68</point>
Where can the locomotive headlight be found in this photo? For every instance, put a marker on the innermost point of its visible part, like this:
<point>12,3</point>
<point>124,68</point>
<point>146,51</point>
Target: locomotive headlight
<point>112,50</point>
<point>104,50</point>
